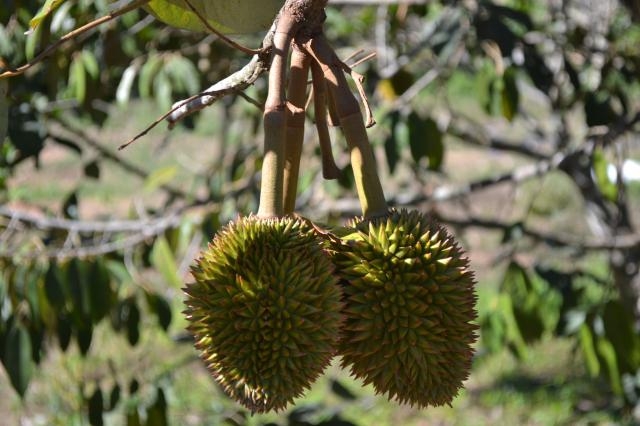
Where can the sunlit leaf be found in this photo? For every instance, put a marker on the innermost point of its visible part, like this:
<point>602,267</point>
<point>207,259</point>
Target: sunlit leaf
<point>588,350</point>
<point>160,177</point>
<point>607,353</point>
<point>231,17</point>
<point>48,7</point>
<point>608,189</point>
<point>162,259</point>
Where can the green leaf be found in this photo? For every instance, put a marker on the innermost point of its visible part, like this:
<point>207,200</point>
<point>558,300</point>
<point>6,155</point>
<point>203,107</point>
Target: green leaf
<point>148,73</point>
<point>53,286</point>
<point>84,336</point>
<point>92,170</point>
<point>160,177</point>
<point>608,189</point>
<point>17,357</point>
<point>588,350</point>
<point>90,64</point>
<point>101,293</point>
<point>46,9</point>
<point>619,329</point>
<point>231,17</point>
<point>157,412</point>
<point>608,355</point>
<point>96,407</point>
<point>133,322</point>
<point>509,94</point>
<point>391,142</point>
<point>161,307</point>
<point>425,140</point>
<point>4,109</point>
<point>162,259</point>
<point>512,331</point>
<point>78,78</point>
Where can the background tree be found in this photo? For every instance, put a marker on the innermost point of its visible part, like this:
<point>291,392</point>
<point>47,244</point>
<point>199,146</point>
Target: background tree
<point>513,122</point>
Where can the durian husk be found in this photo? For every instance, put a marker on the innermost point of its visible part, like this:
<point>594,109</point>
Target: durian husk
<point>410,307</point>
<point>265,310</point>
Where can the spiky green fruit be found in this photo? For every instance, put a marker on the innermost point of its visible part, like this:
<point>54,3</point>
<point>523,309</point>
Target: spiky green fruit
<point>410,307</point>
<point>265,310</point>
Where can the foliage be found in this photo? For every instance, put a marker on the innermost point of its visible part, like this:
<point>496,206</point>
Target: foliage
<point>555,88</point>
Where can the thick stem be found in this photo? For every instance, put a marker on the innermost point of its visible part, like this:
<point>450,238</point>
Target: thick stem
<point>295,124</point>
<point>329,168</point>
<point>363,163</point>
<point>271,188</point>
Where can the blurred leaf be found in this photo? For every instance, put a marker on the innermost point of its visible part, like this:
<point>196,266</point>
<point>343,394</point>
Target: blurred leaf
<point>70,206</point>
<point>18,357</point>
<point>510,95</point>
<point>78,78</point>
<point>46,9</point>
<point>101,294</point>
<point>588,351</point>
<point>512,330</point>
<point>63,331</point>
<point>123,93</point>
<point>77,283</point>
<point>32,43</point>
<point>148,73</point>
<point>157,412</point>
<point>96,407</point>
<point>68,143</point>
<point>600,165</point>
<point>425,140</point>
<point>92,170</point>
<point>160,177</point>
<point>133,417</point>
<point>114,396</point>
<point>4,109</point>
<point>162,259</point>
<point>340,390</point>
<point>90,64</point>
<point>598,109</point>
<point>607,353</point>
<point>84,335</point>
<point>160,306</point>
<point>183,74</point>
<point>620,330</point>
<point>133,322</point>
<point>391,142</point>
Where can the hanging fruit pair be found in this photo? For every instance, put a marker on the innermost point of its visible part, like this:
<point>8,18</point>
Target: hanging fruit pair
<point>274,299</point>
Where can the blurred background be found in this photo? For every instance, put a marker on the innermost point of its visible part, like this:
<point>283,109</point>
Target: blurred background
<point>515,123</point>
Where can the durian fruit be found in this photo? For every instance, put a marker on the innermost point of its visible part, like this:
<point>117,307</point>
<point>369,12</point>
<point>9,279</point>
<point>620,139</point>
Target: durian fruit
<point>410,307</point>
<point>265,310</point>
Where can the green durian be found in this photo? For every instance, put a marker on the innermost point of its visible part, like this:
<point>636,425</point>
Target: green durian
<point>265,310</point>
<point>410,307</point>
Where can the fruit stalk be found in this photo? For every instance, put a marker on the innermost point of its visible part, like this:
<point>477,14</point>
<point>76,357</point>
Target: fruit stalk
<point>271,189</point>
<point>329,168</point>
<point>296,93</point>
<point>368,185</point>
